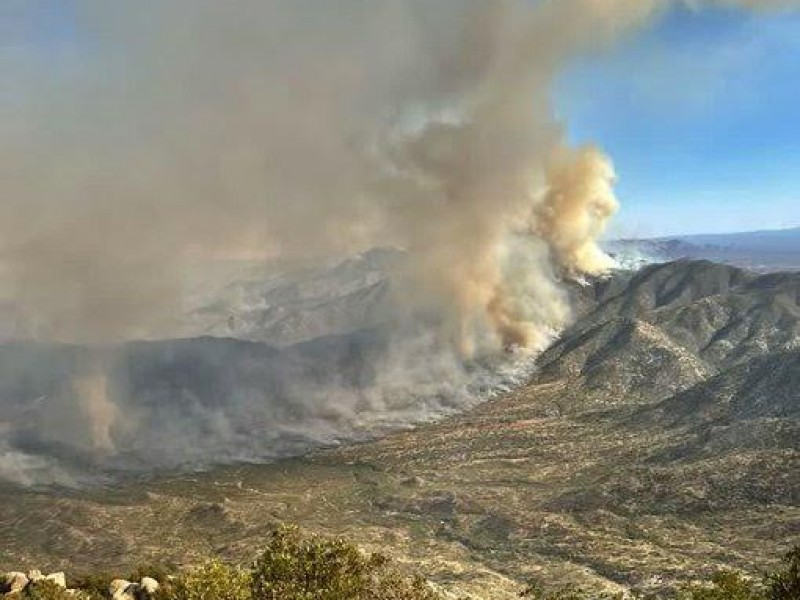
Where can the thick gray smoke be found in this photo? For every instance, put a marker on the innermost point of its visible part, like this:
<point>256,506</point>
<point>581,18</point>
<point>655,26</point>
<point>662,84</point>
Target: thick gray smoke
<point>186,130</point>
<point>171,133</point>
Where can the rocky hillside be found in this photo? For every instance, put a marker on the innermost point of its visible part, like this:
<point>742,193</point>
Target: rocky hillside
<point>658,442</point>
<point>295,305</point>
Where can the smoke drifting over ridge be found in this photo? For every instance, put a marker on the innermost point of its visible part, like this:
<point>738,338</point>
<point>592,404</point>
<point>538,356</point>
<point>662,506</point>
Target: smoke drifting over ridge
<point>186,130</point>
<point>172,133</point>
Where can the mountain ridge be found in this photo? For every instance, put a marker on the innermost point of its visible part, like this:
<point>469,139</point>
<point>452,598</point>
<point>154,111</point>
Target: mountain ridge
<point>656,444</point>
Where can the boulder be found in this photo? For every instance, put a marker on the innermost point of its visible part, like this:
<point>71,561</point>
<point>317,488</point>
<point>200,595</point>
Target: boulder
<point>122,589</point>
<point>58,578</point>
<point>14,581</point>
<point>149,585</point>
<point>35,575</point>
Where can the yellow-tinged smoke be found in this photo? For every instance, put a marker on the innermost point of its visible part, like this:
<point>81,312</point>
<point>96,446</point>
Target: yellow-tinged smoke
<point>579,202</point>
<point>98,410</point>
<point>172,131</point>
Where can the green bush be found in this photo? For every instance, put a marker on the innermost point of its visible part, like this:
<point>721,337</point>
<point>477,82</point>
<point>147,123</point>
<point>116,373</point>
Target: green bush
<point>785,584</point>
<point>46,590</point>
<point>93,585</point>
<point>293,567</point>
<point>296,568</point>
<point>725,585</point>
<point>213,580</point>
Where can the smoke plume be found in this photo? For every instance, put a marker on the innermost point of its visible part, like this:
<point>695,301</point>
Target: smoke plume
<point>189,131</point>
<point>164,133</point>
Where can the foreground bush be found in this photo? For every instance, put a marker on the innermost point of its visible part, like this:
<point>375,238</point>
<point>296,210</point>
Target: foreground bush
<point>785,584</point>
<point>296,568</point>
<point>214,580</point>
<point>45,590</point>
<point>293,567</point>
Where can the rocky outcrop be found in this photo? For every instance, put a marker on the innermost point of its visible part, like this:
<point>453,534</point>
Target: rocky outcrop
<point>122,589</point>
<point>17,582</point>
<point>14,581</point>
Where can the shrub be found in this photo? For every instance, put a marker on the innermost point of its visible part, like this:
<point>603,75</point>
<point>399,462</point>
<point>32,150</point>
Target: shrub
<point>46,590</point>
<point>725,585</point>
<point>93,585</point>
<point>296,568</point>
<point>785,584</point>
<point>213,580</point>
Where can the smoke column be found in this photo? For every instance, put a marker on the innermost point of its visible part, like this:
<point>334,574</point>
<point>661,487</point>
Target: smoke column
<point>186,131</point>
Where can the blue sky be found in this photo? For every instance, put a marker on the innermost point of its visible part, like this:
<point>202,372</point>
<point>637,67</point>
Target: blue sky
<point>701,115</point>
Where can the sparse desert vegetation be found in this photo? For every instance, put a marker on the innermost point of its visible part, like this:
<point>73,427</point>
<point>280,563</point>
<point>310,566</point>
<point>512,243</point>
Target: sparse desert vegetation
<point>293,566</point>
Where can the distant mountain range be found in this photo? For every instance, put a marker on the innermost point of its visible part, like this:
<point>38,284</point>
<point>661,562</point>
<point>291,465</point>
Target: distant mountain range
<point>773,250</point>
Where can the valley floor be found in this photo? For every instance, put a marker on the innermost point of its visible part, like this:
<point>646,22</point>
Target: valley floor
<point>481,501</point>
